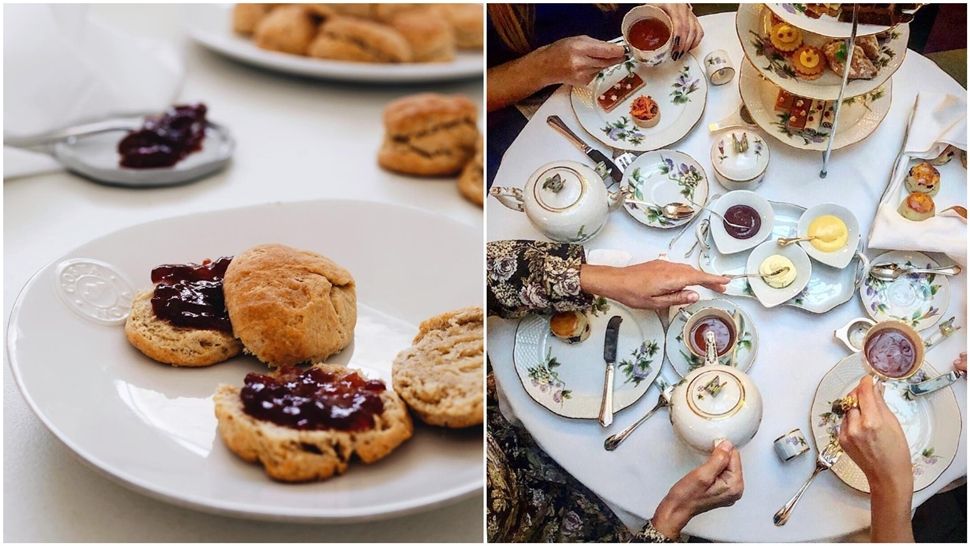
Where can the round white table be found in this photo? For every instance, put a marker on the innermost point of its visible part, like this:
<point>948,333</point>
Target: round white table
<point>797,347</point>
<point>297,139</point>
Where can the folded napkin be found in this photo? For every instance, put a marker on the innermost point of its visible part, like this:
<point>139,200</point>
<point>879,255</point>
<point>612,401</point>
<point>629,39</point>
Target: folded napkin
<point>62,66</point>
<point>940,120</point>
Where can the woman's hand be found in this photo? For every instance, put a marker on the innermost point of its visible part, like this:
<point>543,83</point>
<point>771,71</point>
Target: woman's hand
<point>687,31</point>
<point>960,364</point>
<point>650,285</point>
<point>576,60</point>
<point>872,437</point>
<point>716,483</point>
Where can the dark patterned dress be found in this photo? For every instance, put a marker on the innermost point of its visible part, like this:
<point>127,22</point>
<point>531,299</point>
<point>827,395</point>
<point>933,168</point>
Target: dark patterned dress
<point>530,497</point>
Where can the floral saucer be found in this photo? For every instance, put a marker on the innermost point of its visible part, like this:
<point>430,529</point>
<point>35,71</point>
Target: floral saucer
<point>568,378</point>
<point>916,299</point>
<point>661,177</point>
<point>679,87</point>
<point>684,362</point>
<point>932,424</point>
<point>753,24</point>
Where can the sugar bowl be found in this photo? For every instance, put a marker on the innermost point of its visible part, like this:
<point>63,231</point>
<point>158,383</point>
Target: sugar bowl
<point>740,159</point>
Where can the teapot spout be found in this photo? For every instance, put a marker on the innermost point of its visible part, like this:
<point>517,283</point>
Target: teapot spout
<point>510,197</point>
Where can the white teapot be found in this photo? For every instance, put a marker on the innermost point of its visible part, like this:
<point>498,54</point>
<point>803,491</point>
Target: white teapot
<point>565,200</point>
<point>714,403</point>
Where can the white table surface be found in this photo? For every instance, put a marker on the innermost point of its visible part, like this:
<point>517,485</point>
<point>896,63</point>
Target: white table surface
<point>297,139</point>
<point>797,347</point>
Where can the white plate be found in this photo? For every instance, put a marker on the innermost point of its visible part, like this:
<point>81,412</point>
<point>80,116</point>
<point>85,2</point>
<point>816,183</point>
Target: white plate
<point>840,258</point>
<point>679,87</point>
<point>932,423</point>
<point>684,362</point>
<point>152,426</point>
<point>918,300</point>
<point>752,26</point>
<point>211,26</point>
<point>825,25</point>
<point>568,378</point>
<point>767,295</point>
<point>729,245</point>
<point>859,116</point>
<point>828,288</point>
<point>662,177</point>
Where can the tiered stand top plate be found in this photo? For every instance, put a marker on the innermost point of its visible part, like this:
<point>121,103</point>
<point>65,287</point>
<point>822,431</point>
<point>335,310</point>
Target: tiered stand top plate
<point>825,25</point>
<point>752,24</point>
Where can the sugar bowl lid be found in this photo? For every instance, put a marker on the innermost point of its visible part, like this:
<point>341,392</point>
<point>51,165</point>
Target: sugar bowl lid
<point>561,185</point>
<point>740,155</point>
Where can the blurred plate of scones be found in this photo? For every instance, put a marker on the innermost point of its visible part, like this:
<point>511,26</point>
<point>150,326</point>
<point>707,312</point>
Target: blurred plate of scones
<point>361,42</point>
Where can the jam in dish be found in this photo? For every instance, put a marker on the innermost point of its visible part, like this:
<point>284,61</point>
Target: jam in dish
<point>165,139</point>
<point>313,399</point>
<point>190,295</point>
<point>744,216</point>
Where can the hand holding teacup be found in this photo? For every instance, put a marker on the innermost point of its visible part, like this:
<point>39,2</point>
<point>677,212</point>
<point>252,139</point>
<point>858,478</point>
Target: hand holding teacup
<point>655,33</point>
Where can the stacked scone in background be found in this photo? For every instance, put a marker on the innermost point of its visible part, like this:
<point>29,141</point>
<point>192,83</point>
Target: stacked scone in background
<point>289,308</point>
<point>372,33</point>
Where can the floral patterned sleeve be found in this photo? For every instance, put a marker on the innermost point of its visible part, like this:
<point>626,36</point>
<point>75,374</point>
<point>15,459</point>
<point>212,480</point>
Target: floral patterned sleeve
<point>534,277</point>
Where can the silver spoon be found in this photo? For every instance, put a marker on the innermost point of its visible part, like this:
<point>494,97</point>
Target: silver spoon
<point>826,458</point>
<point>785,241</point>
<point>892,271</point>
<point>679,211</point>
<point>90,150</point>
<point>779,271</point>
<point>663,401</point>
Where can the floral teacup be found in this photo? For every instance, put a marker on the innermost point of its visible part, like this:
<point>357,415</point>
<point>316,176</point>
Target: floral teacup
<point>651,57</point>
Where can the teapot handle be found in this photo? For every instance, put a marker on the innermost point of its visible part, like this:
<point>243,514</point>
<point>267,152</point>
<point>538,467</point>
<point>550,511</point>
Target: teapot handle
<point>510,197</point>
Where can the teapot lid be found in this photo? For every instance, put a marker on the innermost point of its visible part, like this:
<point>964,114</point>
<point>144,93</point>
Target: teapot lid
<point>715,394</point>
<point>559,187</point>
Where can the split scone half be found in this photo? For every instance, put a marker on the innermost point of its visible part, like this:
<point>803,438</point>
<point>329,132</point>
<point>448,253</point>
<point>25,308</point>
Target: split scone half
<point>440,375</point>
<point>292,454</point>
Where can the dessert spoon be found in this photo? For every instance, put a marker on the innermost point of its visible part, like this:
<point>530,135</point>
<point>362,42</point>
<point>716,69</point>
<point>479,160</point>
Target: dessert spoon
<point>679,211</point>
<point>663,401</point>
<point>785,241</point>
<point>892,271</point>
<point>779,271</point>
<point>91,150</point>
<point>826,458</point>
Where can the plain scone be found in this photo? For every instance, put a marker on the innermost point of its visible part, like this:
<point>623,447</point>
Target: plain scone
<point>160,340</point>
<point>292,455</point>
<point>289,306</point>
<point>440,375</point>
<point>429,134</point>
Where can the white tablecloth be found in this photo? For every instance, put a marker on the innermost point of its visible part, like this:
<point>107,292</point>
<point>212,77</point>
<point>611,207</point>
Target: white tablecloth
<point>797,347</point>
<point>297,139</point>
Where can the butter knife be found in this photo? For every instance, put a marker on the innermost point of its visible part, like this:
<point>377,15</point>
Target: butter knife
<point>609,355</point>
<point>597,156</point>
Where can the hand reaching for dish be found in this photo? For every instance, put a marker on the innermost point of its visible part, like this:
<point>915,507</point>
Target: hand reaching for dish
<point>650,285</point>
<point>576,60</point>
<point>716,483</point>
<point>872,437</point>
<point>687,31</point>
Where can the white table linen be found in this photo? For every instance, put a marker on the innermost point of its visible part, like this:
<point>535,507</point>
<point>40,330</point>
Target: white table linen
<point>797,348</point>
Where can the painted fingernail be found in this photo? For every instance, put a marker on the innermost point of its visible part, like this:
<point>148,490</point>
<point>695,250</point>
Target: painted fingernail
<point>676,41</point>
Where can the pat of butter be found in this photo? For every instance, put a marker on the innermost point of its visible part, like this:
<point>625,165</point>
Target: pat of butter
<point>830,232</point>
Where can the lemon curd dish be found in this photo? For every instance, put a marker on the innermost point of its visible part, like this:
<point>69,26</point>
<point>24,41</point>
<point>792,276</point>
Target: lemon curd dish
<point>829,233</point>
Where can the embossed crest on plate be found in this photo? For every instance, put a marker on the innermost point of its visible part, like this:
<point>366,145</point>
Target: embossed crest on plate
<point>94,289</point>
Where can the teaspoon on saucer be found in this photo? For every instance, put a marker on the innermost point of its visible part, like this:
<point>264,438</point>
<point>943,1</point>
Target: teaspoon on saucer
<point>892,271</point>
<point>91,150</point>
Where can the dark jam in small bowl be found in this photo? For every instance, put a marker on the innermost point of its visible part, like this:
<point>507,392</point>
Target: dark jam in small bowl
<point>313,399</point>
<point>165,139</point>
<point>744,216</point>
<point>190,295</point>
